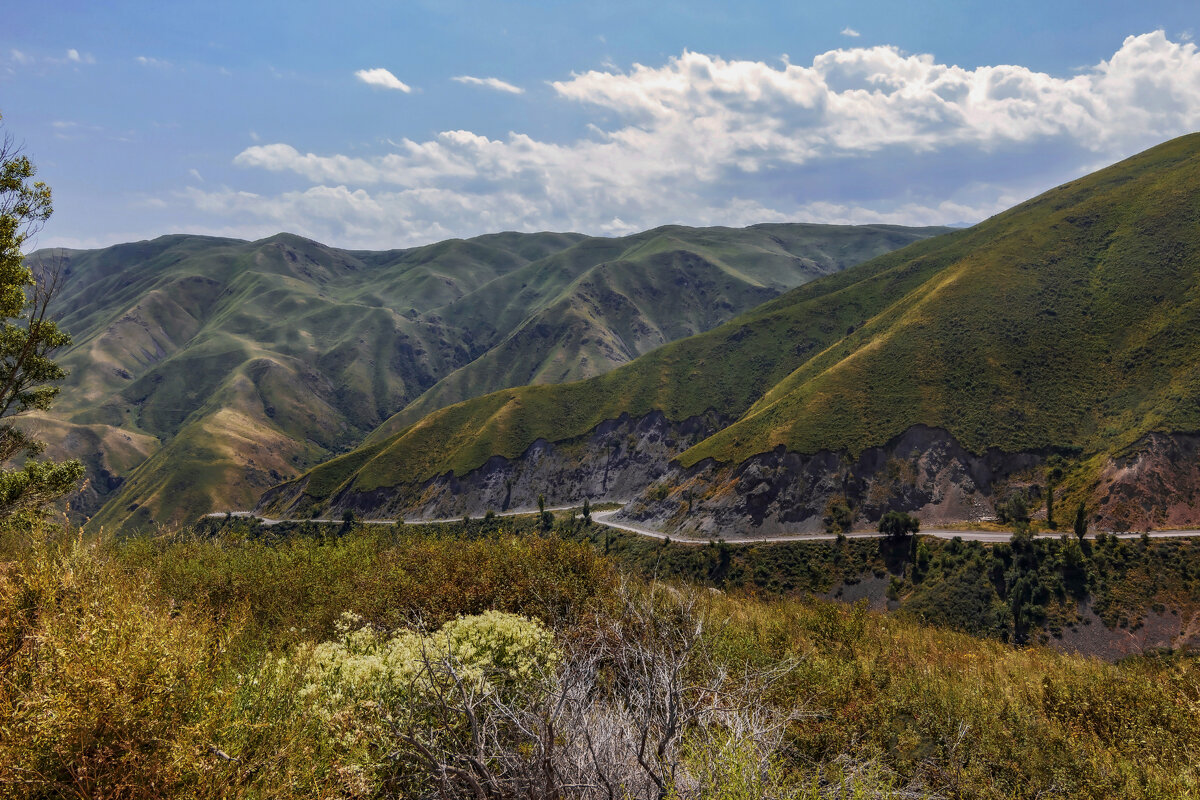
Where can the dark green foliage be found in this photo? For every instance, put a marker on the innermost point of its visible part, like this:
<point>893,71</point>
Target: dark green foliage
<point>898,525</point>
<point>28,339</point>
<point>1080,525</point>
<point>1013,510</point>
<point>587,510</point>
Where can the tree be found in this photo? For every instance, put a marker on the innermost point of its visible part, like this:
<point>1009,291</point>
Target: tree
<point>838,516</point>
<point>27,340</point>
<point>1014,510</point>
<point>1081,521</point>
<point>587,510</point>
<point>1054,474</point>
<point>897,524</point>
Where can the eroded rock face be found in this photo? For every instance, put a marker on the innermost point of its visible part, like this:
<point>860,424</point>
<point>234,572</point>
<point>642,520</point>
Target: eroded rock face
<point>924,471</point>
<point>1157,486</point>
<point>615,462</point>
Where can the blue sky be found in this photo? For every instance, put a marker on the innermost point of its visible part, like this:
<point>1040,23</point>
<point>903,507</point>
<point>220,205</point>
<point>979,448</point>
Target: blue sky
<point>386,124</point>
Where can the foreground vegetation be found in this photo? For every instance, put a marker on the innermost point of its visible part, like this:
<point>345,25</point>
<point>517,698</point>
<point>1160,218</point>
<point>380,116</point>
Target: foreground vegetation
<point>403,661</point>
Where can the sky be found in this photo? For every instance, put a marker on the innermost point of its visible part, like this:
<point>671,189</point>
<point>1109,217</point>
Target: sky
<point>370,124</point>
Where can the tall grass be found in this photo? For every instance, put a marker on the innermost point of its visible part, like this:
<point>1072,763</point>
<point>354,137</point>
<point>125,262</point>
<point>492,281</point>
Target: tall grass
<point>175,667</point>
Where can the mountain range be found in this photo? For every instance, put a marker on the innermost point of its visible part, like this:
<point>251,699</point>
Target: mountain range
<point>943,378</point>
<point>205,370</point>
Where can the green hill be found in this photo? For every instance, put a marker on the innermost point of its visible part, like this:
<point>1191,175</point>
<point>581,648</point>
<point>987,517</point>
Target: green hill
<point>1071,321</point>
<point>205,370</point>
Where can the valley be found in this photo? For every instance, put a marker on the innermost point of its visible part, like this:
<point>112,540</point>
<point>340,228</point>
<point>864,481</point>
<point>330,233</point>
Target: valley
<point>572,401</point>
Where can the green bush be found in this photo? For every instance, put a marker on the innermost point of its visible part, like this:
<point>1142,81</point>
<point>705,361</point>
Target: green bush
<point>897,525</point>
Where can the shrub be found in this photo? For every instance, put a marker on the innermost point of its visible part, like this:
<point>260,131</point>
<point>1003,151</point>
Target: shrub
<point>1013,510</point>
<point>366,669</point>
<point>897,524</point>
<point>838,516</point>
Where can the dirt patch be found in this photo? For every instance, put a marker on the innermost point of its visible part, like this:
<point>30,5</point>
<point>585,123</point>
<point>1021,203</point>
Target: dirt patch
<point>869,587</point>
<point>1156,486</point>
<point>1165,630</point>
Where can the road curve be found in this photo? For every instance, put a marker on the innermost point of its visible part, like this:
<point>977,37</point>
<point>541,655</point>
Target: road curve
<point>605,518</point>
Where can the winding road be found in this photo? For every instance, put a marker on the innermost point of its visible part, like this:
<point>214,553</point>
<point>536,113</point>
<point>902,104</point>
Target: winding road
<point>605,518</point>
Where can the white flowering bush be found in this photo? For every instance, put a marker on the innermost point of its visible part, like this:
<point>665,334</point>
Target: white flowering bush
<point>496,647</point>
<point>366,670</point>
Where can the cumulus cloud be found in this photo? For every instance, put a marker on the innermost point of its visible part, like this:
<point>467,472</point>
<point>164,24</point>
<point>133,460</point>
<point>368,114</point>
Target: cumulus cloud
<point>383,79</point>
<point>150,61</point>
<point>80,58</point>
<point>848,31</point>
<point>858,135</point>
<point>490,83</point>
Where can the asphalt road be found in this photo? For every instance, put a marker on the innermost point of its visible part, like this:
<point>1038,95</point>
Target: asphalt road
<point>605,518</point>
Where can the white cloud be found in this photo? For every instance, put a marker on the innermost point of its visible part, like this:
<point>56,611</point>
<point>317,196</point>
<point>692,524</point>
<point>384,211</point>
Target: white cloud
<point>848,31</point>
<point>80,58</point>
<point>69,130</point>
<point>149,61</point>
<point>20,57</point>
<point>490,83</point>
<point>858,135</point>
<point>382,78</point>
<point>195,173</point>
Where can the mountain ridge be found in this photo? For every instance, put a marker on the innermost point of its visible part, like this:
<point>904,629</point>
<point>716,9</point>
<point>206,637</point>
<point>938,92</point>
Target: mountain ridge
<point>234,365</point>
<point>1061,325</point>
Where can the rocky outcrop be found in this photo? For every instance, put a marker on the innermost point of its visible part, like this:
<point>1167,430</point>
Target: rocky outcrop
<point>1157,485</point>
<point>924,471</point>
<point>615,462</point>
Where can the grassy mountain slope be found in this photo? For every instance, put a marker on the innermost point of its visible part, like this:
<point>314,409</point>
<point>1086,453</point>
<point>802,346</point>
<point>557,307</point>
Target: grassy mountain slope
<point>614,300</point>
<point>1072,320</point>
<point>235,365</point>
<point>725,369</point>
